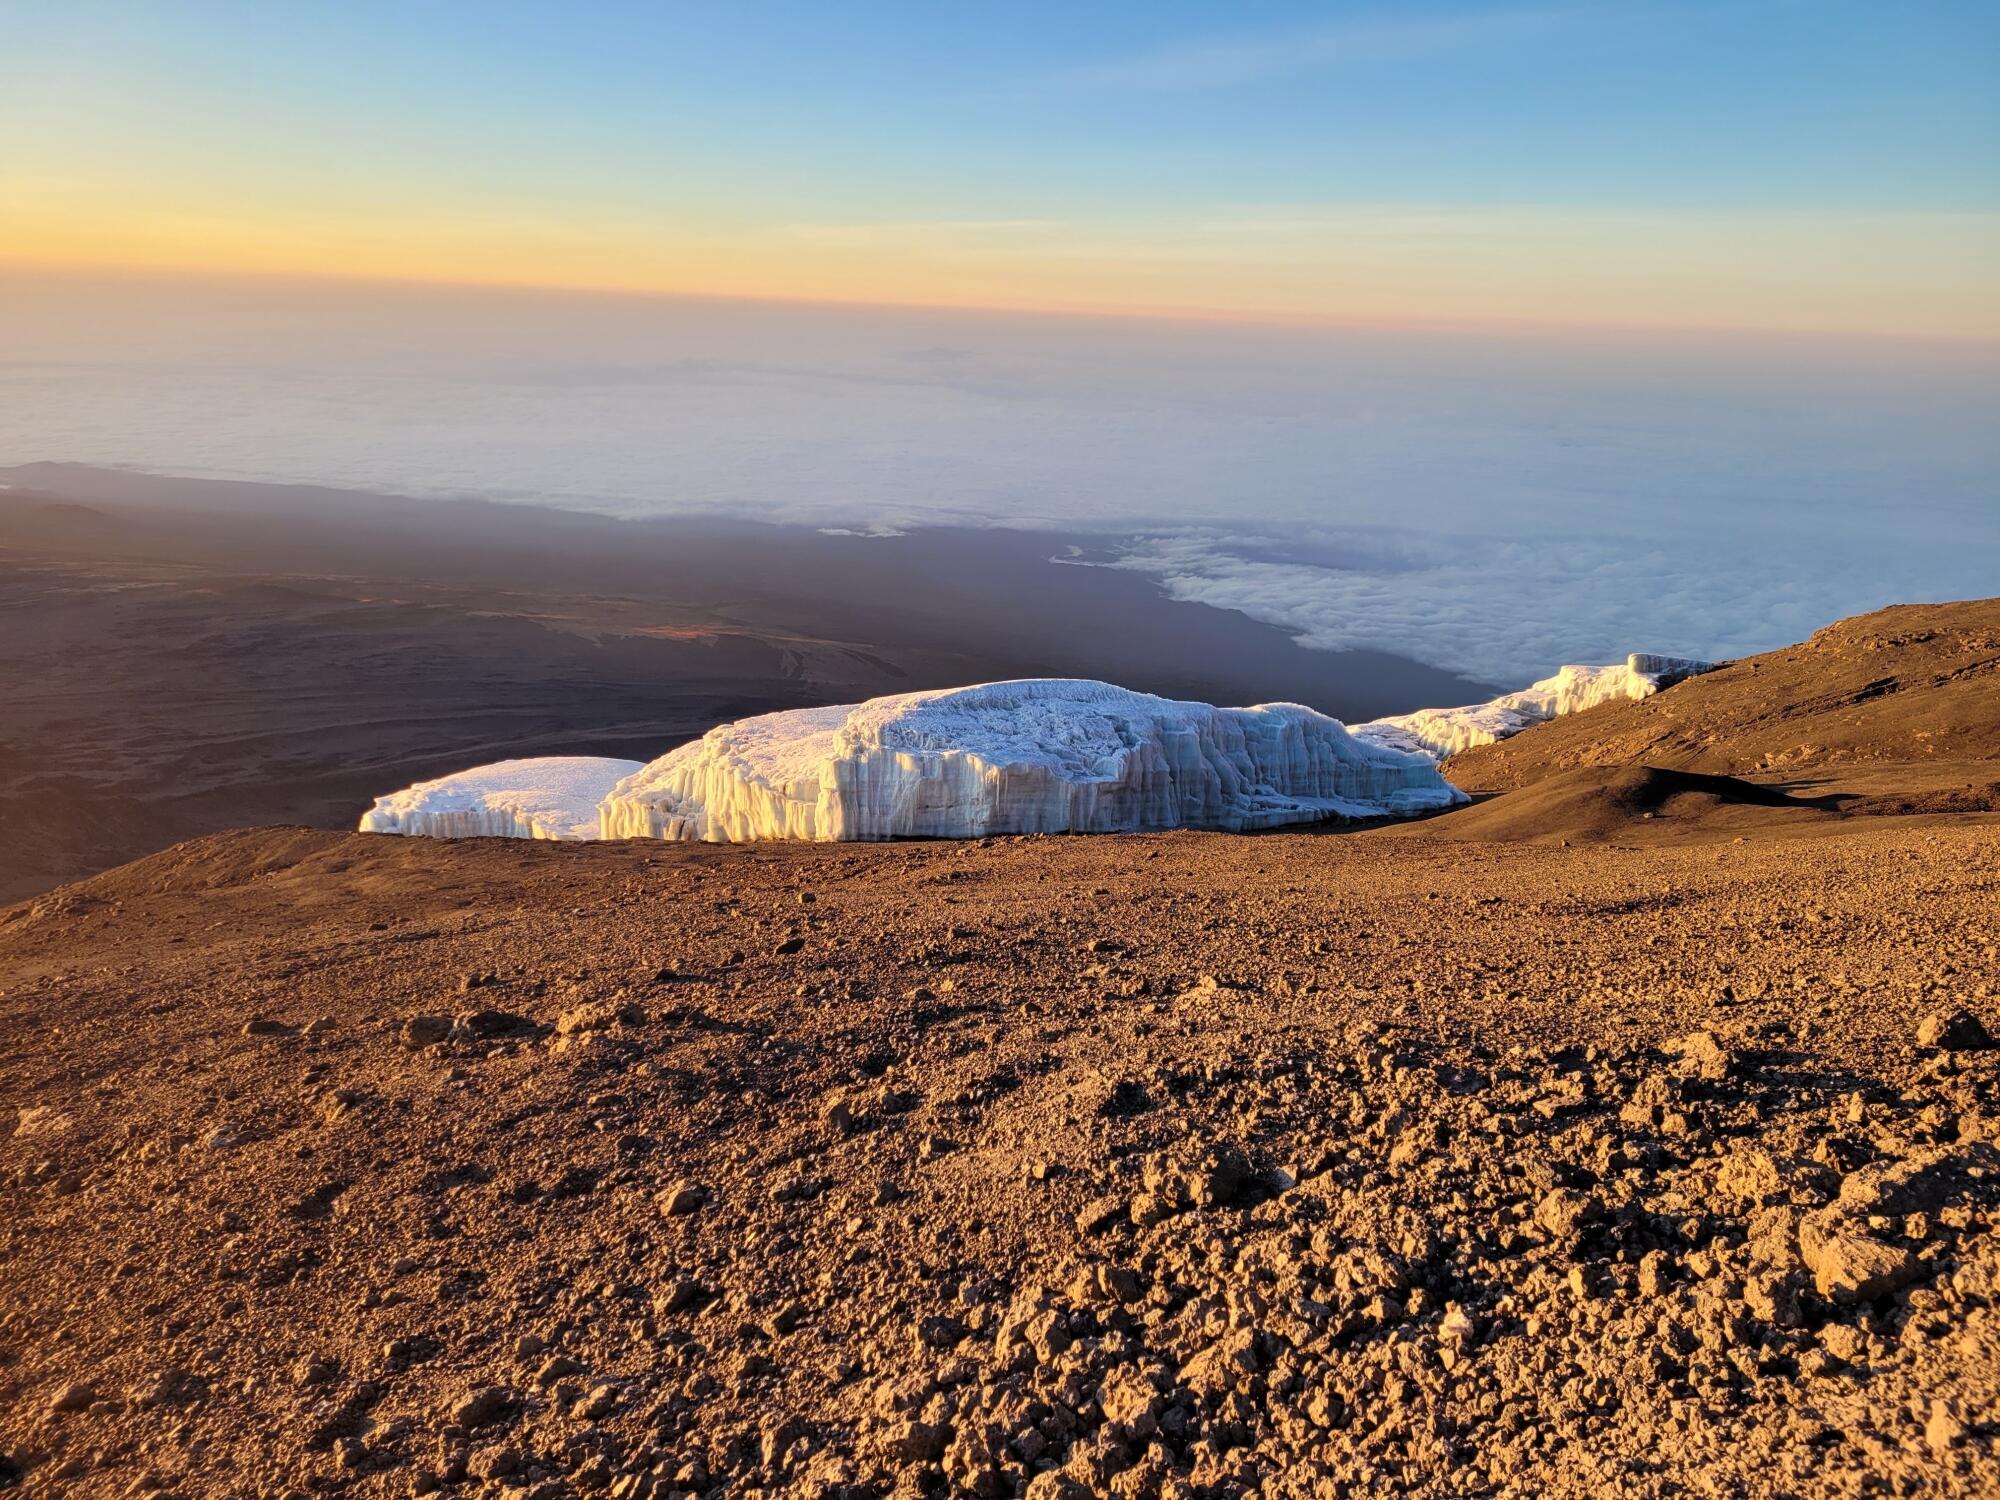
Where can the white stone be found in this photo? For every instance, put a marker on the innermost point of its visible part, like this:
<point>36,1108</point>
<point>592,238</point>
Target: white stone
<point>544,797</point>
<point>1442,732</point>
<point>1041,755</point>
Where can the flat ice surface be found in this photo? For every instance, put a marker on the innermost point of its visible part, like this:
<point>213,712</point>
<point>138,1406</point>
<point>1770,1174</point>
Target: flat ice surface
<point>1041,755</point>
<point>544,797</point>
<point>1442,732</point>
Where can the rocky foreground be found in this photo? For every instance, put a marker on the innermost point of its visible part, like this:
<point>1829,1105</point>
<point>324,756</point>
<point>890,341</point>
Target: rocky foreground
<point>1171,1166</point>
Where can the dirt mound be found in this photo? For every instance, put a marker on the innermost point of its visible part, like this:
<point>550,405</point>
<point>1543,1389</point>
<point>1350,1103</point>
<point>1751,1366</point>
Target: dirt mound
<point>1915,683</point>
<point>1166,1168</point>
<point>213,863</point>
<point>1597,804</point>
<point>36,515</point>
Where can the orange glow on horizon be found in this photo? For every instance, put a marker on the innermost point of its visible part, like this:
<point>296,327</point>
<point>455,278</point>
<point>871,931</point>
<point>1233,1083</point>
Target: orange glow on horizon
<point>1915,276</point>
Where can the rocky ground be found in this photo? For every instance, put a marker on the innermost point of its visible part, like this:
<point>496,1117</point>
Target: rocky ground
<point>1153,1167</point>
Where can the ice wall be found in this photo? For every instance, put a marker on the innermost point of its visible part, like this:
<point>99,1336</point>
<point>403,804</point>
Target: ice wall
<point>546,797</point>
<point>1043,755</point>
<point>1442,732</point>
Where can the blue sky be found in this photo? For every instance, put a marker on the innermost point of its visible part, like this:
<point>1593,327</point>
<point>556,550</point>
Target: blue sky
<point>665,145</point>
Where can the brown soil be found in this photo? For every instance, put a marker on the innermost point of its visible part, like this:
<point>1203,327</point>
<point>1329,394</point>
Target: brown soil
<point>1917,683</point>
<point>1167,1166</point>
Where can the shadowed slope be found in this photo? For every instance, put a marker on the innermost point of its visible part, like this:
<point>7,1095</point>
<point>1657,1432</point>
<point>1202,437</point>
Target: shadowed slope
<point>1597,803</point>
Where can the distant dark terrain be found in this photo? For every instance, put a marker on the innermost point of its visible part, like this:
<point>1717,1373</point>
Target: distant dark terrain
<point>181,656</point>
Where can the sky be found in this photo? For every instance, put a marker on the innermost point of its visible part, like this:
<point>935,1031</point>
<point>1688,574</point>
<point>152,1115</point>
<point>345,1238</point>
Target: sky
<point>1781,165</point>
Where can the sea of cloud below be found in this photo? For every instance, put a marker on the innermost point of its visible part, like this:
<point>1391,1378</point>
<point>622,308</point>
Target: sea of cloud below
<point>1487,505</point>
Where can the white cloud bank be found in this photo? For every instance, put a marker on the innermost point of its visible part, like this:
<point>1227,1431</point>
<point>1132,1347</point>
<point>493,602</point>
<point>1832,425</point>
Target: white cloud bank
<point>1492,504</point>
<point>1504,611</point>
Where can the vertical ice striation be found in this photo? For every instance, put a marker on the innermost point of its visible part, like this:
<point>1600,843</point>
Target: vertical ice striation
<point>1042,755</point>
<point>1442,732</point>
<point>546,797</point>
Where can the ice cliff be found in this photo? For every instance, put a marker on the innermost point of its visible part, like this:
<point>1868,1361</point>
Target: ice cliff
<point>547,797</point>
<point>1043,755</point>
<point>1442,732</point>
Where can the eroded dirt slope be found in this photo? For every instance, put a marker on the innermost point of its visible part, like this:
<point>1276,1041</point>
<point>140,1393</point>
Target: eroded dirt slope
<point>1166,1166</point>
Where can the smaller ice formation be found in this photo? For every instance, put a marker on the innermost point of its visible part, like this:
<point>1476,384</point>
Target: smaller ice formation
<point>1041,755</point>
<point>1442,732</point>
<point>546,797</point>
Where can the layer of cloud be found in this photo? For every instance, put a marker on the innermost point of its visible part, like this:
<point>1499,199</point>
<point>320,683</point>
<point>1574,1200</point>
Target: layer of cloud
<point>1491,505</point>
<point>1507,612</point>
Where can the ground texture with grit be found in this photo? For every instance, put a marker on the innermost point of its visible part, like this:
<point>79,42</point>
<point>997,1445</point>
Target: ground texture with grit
<point>1174,1166</point>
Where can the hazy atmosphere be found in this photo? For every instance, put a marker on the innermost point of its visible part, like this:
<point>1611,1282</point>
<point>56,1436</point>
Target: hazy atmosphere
<point>1766,164</point>
<point>1484,502</point>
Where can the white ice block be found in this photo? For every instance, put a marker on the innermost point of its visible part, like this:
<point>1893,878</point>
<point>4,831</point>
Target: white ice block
<point>545,797</point>
<point>1041,755</point>
<point>1442,732</point>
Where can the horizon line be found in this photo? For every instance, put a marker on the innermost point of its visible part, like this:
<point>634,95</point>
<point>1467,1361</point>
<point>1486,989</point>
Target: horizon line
<point>1302,321</point>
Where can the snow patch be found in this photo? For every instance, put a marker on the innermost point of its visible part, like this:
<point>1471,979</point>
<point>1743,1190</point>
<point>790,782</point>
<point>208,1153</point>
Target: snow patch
<point>1442,732</point>
<point>543,797</point>
<point>1041,755</point>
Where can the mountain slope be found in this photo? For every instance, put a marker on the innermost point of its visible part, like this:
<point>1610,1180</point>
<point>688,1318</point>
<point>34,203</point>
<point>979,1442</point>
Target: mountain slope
<point>1915,683</point>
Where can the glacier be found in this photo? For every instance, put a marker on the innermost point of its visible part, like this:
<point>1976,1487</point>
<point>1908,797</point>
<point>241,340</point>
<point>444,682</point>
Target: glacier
<point>542,797</point>
<point>1039,755</point>
<point>1442,732</point>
